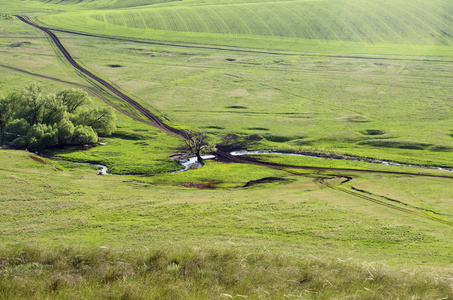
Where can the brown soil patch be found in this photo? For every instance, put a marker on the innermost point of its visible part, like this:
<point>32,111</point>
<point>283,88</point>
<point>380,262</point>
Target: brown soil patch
<point>265,180</point>
<point>211,184</point>
<point>37,159</point>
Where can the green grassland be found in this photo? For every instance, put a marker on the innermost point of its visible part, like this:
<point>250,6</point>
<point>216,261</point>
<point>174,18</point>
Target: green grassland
<point>329,26</point>
<point>52,6</point>
<point>54,215</point>
<point>33,60</point>
<point>397,108</point>
<point>237,230</point>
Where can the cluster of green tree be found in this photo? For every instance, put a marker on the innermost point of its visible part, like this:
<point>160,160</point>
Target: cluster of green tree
<point>31,120</point>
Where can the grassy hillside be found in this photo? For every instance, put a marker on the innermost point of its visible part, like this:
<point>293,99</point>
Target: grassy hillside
<point>68,232</point>
<point>46,6</point>
<point>394,108</point>
<point>328,26</point>
<point>234,230</point>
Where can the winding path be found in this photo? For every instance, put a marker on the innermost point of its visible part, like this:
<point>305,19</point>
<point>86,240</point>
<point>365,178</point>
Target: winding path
<point>224,156</point>
<point>157,122</point>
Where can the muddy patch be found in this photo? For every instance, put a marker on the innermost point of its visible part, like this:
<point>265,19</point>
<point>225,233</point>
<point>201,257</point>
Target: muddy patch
<point>211,184</point>
<point>266,180</point>
<point>37,159</point>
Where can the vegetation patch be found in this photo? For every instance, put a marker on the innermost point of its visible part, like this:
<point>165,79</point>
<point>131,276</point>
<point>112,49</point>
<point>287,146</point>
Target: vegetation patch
<point>6,17</point>
<point>277,138</point>
<point>396,144</point>
<point>19,44</point>
<point>31,120</point>
<point>233,142</point>
<point>133,136</point>
<point>202,273</point>
<point>115,66</point>
<point>441,148</point>
<point>213,127</point>
<point>372,132</point>
<point>302,142</point>
<point>259,128</point>
<point>355,119</point>
<point>236,107</point>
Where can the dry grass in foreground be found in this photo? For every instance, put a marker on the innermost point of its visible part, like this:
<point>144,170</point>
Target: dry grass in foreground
<point>70,273</point>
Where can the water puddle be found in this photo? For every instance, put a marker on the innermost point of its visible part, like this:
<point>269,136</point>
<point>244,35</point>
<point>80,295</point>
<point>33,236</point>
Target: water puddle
<point>188,163</point>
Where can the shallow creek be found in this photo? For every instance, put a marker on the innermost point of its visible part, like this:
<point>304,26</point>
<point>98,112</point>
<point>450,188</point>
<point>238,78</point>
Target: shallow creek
<point>188,163</point>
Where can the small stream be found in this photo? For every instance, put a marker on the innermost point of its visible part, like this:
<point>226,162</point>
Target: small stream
<point>103,169</point>
<point>193,161</point>
<point>188,163</point>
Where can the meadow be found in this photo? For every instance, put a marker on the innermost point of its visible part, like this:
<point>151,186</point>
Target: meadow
<point>68,231</point>
<point>334,85</point>
<point>393,108</point>
<point>369,27</point>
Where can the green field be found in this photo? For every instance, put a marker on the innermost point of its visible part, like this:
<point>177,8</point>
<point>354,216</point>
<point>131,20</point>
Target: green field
<point>56,215</point>
<point>365,79</point>
<point>372,27</point>
<point>393,108</point>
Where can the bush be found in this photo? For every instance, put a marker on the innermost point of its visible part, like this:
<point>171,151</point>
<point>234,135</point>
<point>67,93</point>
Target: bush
<point>34,121</point>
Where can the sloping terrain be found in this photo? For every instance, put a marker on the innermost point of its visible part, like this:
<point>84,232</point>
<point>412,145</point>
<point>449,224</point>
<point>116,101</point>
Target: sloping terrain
<point>370,24</point>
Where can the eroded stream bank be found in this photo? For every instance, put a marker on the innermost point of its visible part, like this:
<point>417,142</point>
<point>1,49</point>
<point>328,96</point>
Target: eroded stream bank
<point>338,157</point>
<point>192,163</point>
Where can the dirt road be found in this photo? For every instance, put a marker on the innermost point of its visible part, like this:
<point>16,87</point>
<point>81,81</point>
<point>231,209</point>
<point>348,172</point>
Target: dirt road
<point>227,157</point>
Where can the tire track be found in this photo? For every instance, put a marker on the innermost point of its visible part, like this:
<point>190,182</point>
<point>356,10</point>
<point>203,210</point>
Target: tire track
<point>323,181</point>
<point>244,50</point>
<point>89,90</point>
<point>154,119</point>
<point>231,158</point>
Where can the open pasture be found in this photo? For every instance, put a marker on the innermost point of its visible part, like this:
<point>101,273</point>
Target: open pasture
<point>67,231</point>
<point>238,230</point>
<point>331,26</point>
<point>52,6</point>
<point>395,108</point>
<point>299,215</point>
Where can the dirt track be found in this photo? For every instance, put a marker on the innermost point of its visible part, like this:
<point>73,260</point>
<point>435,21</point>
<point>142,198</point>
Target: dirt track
<point>157,122</point>
<point>224,156</point>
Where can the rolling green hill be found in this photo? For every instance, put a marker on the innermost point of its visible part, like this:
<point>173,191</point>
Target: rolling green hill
<point>380,27</point>
<point>40,6</point>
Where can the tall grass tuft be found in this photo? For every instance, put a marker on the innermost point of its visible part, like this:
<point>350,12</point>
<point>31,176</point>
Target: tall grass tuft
<point>81,273</point>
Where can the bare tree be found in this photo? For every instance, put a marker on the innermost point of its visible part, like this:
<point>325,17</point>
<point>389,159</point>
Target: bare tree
<point>196,142</point>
